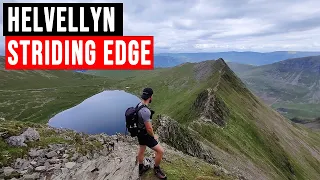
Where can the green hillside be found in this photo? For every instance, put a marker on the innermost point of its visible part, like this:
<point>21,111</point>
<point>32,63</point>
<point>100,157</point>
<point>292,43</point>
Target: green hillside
<point>218,119</point>
<point>213,105</point>
<point>292,86</point>
<point>38,95</point>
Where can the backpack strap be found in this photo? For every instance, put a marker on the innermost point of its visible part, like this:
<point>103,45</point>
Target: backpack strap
<point>139,108</point>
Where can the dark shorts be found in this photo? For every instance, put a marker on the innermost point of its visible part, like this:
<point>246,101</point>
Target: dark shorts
<point>147,140</point>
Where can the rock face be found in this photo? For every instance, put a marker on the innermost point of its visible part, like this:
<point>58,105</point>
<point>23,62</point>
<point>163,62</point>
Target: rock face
<point>203,70</point>
<point>211,108</point>
<point>28,135</point>
<point>180,138</point>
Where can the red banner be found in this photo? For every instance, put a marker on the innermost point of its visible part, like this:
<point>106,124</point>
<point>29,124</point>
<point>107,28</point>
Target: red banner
<point>79,52</point>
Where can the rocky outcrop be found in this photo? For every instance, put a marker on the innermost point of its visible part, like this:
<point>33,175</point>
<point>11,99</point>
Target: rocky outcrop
<point>111,157</point>
<point>27,136</point>
<point>16,141</point>
<point>181,138</point>
<point>116,159</point>
<point>210,108</point>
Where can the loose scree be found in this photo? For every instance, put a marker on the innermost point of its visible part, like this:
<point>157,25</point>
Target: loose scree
<point>72,36</point>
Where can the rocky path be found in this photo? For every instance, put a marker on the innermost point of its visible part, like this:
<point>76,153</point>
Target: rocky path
<point>221,72</point>
<point>107,158</point>
<point>120,164</point>
<point>64,162</point>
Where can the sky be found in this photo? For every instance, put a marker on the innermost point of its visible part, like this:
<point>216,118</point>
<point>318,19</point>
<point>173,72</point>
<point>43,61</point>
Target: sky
<point>220,25</point>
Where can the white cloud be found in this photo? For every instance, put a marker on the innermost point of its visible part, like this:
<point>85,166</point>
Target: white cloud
<point>219,25</point>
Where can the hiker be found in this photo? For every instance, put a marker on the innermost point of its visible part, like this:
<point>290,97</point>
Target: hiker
<point>146,136</point>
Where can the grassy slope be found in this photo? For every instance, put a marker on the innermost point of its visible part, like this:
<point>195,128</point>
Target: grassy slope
<point>38,95</point>
<point>254,131</point>
<point>292,84</point>
<point>258,132</point>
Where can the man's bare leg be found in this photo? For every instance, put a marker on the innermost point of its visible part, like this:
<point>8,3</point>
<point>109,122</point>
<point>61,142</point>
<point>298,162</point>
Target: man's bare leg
<point>159,154</point>
<point>142,167</point>
<point>141,151</point>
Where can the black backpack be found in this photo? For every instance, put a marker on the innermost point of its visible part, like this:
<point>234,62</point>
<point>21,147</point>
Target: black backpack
<point>132,119</point>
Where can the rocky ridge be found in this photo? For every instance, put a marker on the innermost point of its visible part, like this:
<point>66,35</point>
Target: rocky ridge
<point>64,161</point>
<point>113,158</point>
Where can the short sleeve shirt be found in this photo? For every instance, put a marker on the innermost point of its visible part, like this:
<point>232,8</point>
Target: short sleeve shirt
<point>144,115</point>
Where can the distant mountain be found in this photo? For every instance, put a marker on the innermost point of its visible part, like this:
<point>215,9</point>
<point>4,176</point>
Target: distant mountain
<point>253,58</point>
<point>238,67</point>
<point>167,61</point>
<point>292,86</point>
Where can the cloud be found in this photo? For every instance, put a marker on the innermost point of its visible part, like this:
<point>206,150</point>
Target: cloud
<point>219,25</point>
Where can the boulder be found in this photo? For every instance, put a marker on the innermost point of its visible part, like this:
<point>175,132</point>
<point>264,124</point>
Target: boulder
<point>28,135</point>
<point>31,176</point>
<point>51,154</point>
<point>7,171</point>
<point>41,162</point>
<point>16,141</point>
<point>23,172</point>
<point>33,153</point>
<point>33,163</point>
<point>21,164</point>
<point>40,168</point>
<point>31,134</point>
<point>70,165</point>
<point>54,160</point>
<point>75,157</point>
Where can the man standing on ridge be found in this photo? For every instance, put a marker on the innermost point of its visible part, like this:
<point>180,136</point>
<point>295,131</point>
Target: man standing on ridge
<point>146,136</point>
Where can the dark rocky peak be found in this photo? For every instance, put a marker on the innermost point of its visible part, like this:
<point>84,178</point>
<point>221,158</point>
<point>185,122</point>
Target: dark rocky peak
<point>221,60</point>
<point>203,70</point>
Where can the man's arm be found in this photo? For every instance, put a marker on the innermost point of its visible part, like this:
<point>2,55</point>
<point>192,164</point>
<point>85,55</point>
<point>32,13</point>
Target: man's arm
<point>146,116</point>
<point>149,128</point>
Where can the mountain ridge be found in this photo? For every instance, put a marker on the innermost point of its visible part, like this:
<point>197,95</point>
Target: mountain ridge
<point>288,84</point>
<point>249,119</point>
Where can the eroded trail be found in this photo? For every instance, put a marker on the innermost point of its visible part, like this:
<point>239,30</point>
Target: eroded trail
<point>221,72</point>
<point>119,164</point>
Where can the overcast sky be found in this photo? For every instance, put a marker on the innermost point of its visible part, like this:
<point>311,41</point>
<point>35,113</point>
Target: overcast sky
<point>221,25</point>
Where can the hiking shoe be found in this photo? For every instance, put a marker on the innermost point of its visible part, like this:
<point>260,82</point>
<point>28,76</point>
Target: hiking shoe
<point>143,169</point>
<point>158,172</point>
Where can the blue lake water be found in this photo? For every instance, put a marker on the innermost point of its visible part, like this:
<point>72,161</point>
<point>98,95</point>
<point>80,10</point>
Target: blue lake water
<point>101,113</point>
